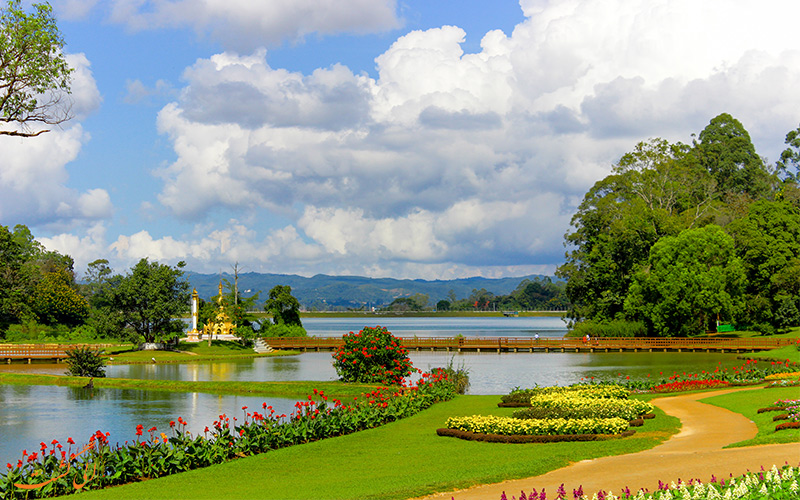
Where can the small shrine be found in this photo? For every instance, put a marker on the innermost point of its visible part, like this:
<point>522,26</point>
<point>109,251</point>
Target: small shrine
<point>220,326</point>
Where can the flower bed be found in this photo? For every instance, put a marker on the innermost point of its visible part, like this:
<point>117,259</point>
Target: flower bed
<point>689,385</point>
<point>507,426</point>
<point>783,376</point>
<point>750,372</point>
<point>574,405</point>
<point>522,397</point>
<point>524,439</point>
<point>774,484</point>
<point>791,413</point>
<point>54,471</point>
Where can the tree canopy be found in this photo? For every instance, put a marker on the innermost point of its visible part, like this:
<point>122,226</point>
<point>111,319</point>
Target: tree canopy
<point>659,192</point>
<point>148,299</point>
<point>691,280</point>
<point>34,75</point>
<point>283,306</point>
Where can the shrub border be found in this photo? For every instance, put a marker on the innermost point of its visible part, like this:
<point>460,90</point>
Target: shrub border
<point>524,439</point>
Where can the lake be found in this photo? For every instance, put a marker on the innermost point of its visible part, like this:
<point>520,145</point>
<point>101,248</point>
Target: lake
<point>32,414</point>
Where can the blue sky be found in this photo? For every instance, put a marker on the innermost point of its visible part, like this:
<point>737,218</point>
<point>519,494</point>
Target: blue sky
<point>413,139</point>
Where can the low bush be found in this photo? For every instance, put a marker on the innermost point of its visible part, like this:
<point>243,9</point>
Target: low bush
<point>613,328</point>
<point>83,361</point>
<point>283,330</point>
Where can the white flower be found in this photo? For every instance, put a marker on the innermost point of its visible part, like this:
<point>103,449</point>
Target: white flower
<point>763,490</point>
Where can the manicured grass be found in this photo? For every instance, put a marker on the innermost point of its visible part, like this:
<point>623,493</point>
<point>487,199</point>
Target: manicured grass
<point>397,461</point>
<point>187,352</point>
<point>789,352</point>
<point>748,402</point>
<point>299,389</point>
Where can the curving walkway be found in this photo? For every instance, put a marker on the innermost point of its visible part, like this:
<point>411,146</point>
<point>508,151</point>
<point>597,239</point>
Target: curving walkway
<point>695,452</point>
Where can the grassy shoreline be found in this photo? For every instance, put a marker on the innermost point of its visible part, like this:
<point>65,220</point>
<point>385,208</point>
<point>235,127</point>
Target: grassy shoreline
<point>298,389</point>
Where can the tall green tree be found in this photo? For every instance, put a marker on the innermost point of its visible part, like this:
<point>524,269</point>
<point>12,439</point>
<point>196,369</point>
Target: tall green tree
<point>790,157</point>
<point>283,306</point>
<point>150,298</point>
<point>35,284</point>
<point>56,300</point>
<point>768,242</point>
<point>725,150</point>
<point>654,191</point>
<point>34,75</point>
<point>690,280</point>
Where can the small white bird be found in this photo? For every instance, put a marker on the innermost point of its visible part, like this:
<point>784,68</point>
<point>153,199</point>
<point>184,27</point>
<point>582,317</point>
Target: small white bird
<point>153,360</point>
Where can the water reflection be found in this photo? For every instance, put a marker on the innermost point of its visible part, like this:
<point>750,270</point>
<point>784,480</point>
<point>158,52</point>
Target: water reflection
<point>33,414</point>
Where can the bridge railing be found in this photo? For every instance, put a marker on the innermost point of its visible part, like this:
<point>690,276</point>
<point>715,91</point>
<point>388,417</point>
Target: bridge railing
<point>626,343</point>
<point>41,351</point>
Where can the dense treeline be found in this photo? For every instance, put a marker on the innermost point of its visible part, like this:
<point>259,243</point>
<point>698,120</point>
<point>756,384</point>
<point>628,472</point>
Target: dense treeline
<point>537,294</point>
<point>40,299</point>
<point>679,237</point>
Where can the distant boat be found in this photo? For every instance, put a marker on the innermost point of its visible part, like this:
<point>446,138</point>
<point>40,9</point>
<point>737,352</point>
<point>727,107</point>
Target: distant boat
<point>511,313</point>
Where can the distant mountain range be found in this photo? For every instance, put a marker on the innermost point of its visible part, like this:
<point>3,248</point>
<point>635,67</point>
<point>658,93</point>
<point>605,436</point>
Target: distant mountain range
<point>325,292</point>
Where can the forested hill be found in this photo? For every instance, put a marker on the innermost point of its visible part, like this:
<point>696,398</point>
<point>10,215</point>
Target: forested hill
<point>336,292</point>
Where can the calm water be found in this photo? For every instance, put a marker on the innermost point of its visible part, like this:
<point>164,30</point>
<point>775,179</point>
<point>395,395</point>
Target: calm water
<point>31,414</point>
<point>440,327</point>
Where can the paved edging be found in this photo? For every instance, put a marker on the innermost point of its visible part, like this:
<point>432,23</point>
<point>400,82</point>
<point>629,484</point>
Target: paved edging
<point>695,452</point>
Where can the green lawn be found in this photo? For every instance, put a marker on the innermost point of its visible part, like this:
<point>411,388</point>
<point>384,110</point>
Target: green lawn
<point>397,461</point>
<point>748,402</point>
<point>187,352</point>
<point>789,352</point>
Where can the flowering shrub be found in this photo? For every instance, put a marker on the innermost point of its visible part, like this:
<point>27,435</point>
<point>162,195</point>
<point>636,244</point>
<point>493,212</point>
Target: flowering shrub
<point>372,355</point>
<point>570,405</point>
<point>773,484</point>
<point>490,424</point>
<point>54,471</point>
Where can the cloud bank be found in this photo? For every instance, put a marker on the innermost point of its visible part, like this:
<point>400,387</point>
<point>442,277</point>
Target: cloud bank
<point>448,163</point>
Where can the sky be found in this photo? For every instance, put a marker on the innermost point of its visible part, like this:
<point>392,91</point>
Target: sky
<point>407,139</point>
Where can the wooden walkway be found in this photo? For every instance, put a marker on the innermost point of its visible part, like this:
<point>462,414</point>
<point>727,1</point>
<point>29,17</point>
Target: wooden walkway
<point>29,352</point>
<point>549,344</point>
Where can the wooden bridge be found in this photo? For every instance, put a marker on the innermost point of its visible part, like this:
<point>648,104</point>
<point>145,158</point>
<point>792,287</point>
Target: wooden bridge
<point>30,352</point>
<point>550,344</point>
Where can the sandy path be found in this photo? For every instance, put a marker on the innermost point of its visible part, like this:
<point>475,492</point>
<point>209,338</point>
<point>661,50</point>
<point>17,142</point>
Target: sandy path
<point>695,452</point>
